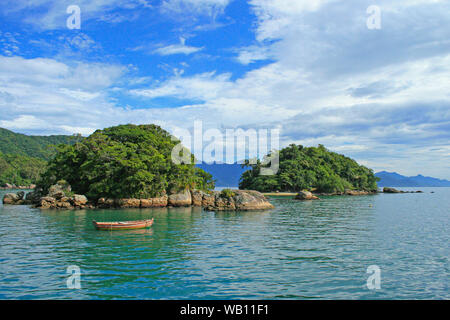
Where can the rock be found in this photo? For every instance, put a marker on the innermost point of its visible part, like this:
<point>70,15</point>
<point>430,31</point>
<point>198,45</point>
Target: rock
<point>243,200</point>
<point>197,197</point>
<point>391,190</point>
<point>47,202</point>
<point>129,203</point>
<point>356,192</point>
<point>105,203</point>
<point>79,200</point>
<point>63,205</point>
<point>59,191</point>
<point>225,203</point>
<point>10,198</point>
<point>251,200</point>
<point>160,201</point>
<point>182,199</point>
<point>32,197</point>
<point>305,195</point>
<point>8,186</point>
<point>208,200</point>
<point>146,203</point>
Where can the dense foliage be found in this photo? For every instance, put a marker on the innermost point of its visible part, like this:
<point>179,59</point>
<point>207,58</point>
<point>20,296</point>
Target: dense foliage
<point>126,161</point>
<point>313,168</point>
<point>42,147</point>
<point>22,157</point>
<point>20,170</point>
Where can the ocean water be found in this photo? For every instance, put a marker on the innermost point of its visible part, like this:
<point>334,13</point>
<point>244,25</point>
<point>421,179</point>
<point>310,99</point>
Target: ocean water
<point>299,250</point>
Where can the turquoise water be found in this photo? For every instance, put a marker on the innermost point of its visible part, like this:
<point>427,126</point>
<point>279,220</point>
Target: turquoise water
<point>299,250</point>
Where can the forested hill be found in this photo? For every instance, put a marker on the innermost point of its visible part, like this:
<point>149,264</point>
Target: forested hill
<point>23,158</point>
<point>40,147</point>
<point>313,168</point>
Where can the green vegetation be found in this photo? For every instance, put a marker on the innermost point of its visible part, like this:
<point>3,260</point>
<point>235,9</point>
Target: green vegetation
<point>126,161</point>
<point>23,158</point>
<point>227,193</point>
<point>313,168</point>
<point>20,170</point>
<point>41,147</point>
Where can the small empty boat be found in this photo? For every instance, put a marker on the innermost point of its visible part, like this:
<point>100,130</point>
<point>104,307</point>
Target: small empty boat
<point>123,225</point>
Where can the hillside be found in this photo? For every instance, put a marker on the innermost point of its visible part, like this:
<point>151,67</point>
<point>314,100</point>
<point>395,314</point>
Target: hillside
<point>393,179</point>
<point>40,147</point>
<point>314,168</point>
<point>23,158</point>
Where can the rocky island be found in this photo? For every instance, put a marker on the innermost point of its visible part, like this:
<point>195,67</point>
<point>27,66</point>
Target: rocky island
<point>129,166</point>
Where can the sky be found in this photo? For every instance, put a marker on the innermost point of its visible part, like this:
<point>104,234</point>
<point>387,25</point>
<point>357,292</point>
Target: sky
<point>320,71</point>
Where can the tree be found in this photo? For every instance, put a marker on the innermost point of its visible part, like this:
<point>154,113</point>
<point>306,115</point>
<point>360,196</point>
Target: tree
<point>311,168</point>
<point>126,161</point>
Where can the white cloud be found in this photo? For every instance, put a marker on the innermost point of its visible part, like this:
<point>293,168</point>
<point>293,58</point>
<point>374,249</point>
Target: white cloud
<point>23,122</point>
<point>181,48</point>
<point>198,7</point>
<point>54,16</point>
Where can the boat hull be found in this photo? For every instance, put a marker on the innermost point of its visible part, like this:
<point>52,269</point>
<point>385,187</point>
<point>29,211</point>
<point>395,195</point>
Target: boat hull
<point>126,225</point>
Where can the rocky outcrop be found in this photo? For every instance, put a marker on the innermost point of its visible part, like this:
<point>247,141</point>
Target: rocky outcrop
<point>393,190</point>
<point>356,193</point>
<point>197,197</point>
<point>305,195</point>
<point>61,197</point>
<point>241,200</point>
<point>182,199</point>
<point>14,198</point>
<point>8,186</point>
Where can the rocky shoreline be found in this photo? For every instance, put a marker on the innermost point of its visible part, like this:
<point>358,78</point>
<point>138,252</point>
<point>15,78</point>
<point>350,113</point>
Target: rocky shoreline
<point>306,195</point>
<point>61,197</point>
<point>8,186</point>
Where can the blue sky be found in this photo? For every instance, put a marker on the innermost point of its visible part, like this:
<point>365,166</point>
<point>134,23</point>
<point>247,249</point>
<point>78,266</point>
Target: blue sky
<point>310,68</point>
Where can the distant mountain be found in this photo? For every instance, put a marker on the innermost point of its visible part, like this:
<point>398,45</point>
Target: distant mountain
<point>12,143</point>
<point>226,175</point>
<point>393,179</point>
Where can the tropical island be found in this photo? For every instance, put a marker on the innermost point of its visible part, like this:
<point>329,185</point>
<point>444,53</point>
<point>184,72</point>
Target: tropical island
<point>312,169</point>
<point>129,166</point>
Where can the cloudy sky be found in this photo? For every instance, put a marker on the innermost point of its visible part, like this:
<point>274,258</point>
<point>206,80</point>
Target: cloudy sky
<point>312,68</point>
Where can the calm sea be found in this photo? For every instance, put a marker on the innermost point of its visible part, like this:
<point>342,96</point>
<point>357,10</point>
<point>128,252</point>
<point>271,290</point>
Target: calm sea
<point>299,250</point>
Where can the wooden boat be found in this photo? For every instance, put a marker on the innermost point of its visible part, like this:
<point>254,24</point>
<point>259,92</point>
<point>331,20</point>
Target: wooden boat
<point>123,225</point>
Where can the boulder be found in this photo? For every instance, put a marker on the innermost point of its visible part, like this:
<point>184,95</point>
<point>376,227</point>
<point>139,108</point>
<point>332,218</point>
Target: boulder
<point>391,190</point>
<point>59,191</point>
<point>160,201</point>
<point>47,202</point>
<point>251,200</point>
<point>129,203</point>
<point>11,198</point>
<point>197,197</point>
<point>242,200</point>
<point>146,203</point>
<point>105,203</point>
<point>305,195</point>
<point>182,199</point>
<point>79,200</point>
